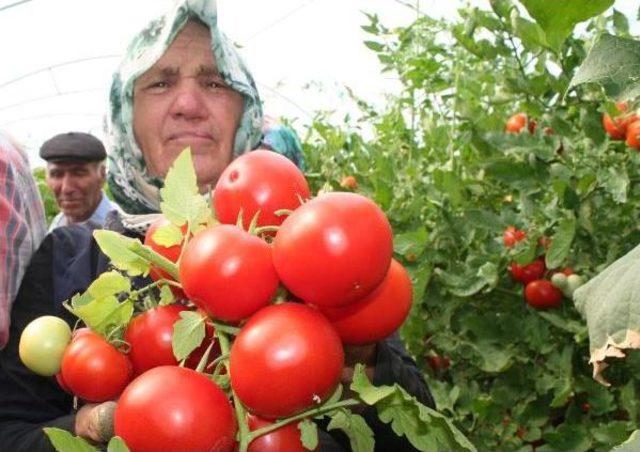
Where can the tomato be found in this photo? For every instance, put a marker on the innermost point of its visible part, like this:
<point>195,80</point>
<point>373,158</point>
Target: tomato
<point>349,182</point>
<point>150,336</point>
<point>378,314</point>
<point>511,236</point>
<point>517,122</point>
<point>334,249</point>
<point>617,127</point>
<point>42,344</point>
<point>530,272</point>
<point>263,181</point>
<point>173,408</point>
<point>284,439</point>
<point>228,272</point>
<point>286,359</point>
<point>438,363</point>
<point>172,253</point>
<point>61,383</point>
<point>93,369</point>
<point>633,135</point>
<point>541,294</point>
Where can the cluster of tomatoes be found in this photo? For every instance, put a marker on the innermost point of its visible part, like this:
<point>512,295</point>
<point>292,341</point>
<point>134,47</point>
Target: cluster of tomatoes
<point>624,127</point>
<point>540,292</point>
<point>520,121</point>
<point>333,255</point>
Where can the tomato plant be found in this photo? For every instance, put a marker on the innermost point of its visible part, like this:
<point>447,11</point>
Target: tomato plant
<point>228,272</point>
<point>42,344</point>
<point>291,343</point>
<point>512,235</point>
<point>173,408</point>
<point>378,314</point>
<point>334,249</point>
<point>530,272</point>
<point>518,122</point>
<point>259,181</point>
<point>93,369</point>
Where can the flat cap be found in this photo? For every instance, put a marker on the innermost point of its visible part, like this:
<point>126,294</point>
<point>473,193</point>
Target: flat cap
<point>73,146</point>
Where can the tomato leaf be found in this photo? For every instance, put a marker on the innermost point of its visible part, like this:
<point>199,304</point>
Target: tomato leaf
<point>608,303</point>
<point>424,427</point>
<point>181,200</point>
<point>558,19</point>
<point>63,441</point>
<point>168,235</point>
<point>117,444</point>
<point>308,434</point>
<point>109,283</point>
<point>188,333</point>
<point>103,315</point>
<point>632,443</point>
<point>613,63</point>
<point>166,296</point>
<point>120,250</point>
<point>561,243</point>
<point>355,427</point>
<point>411,242</point>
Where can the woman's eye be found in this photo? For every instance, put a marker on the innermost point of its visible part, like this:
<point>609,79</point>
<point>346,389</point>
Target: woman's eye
<point>159,84</point>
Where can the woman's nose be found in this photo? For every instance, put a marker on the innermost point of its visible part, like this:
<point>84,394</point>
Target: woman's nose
<point>189,102</point>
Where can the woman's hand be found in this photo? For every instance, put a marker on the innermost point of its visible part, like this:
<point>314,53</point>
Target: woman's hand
<point>94,421</point>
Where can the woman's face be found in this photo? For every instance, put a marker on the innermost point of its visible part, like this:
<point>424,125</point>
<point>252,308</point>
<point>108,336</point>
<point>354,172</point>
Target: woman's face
<point>182,101</point>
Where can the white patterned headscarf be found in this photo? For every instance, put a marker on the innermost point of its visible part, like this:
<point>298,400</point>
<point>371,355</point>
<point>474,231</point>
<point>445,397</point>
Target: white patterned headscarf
<point>132,187</point>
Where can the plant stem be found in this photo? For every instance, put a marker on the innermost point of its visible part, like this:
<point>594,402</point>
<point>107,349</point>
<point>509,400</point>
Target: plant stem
<point>307,414</point>
<point>156,260</point>
<point>228,329</point>
<point>241,414</point>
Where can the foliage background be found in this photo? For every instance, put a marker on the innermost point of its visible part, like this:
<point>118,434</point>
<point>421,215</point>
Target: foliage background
<point>438,162</point>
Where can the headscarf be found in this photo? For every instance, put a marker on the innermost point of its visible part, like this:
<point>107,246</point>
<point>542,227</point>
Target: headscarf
<point>136,191</point>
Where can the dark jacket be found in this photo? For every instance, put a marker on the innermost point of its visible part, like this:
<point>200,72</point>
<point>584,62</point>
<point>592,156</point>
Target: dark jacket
<point>66,263</point>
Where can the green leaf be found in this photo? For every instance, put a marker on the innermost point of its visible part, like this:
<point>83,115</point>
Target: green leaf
<point>308,434</point>
<point>373,45</point>
<point>561,243</point>
<point>117,445</point>
<point>188,333</point>
<point>168,235</point>
<point>181,200</point>
<point>608,302</point>
<point>530,33</point>
<point>63,441</point>
<point>105,314</point>
<point>557,19</point>
<point>166,295</point>
<point>632,444</point>
<point>355,427</point>
<point>613,63</point>
<point>424,427</point>
<point>119,249</point>
<point>108,284</point>
<point>616,182</point>
<point>411,242</point>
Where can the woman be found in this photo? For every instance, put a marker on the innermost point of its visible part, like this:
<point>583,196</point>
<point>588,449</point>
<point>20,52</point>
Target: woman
<point>181,84</point>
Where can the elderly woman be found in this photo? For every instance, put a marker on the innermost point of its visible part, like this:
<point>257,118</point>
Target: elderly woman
<point>181,84</point>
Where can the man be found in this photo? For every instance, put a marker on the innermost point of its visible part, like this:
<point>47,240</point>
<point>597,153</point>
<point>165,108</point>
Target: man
<point>22,226</point>
<point>76,173</point>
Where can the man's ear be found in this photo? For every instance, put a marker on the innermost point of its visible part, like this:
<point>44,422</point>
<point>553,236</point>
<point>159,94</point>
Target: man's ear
<point>103,171</point>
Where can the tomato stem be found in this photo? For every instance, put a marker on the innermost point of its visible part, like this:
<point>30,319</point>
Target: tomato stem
<point>307,414</point>
<point>263,229</point>
<point>241,413</point>
<point>226,328</point>
<point>155,259</point>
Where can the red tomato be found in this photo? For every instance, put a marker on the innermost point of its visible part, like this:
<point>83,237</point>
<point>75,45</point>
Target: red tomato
<point>333,250</point>
<point>633,135</point>
<point>378,314</point>
<point>438,363</point>
<point>284,439</point>
<point>349,182</point>
<point>286,359</point>
<point>173,408</point>
<point>228,272</point>
<point>150,336</point>
<point>541,294</point>
<point>93,369</point>
<point>511,236</point>
<point>262,181</point>
<point>617,127</point>
<point>172,253</point>
<point>530,272</point>
<point>518,122</point>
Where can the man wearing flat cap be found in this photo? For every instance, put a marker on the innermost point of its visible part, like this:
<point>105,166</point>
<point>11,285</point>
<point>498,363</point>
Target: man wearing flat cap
<point>76,173</point>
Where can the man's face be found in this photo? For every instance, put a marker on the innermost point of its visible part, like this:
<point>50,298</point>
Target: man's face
<point>182,101</point>
<point>77,187</point>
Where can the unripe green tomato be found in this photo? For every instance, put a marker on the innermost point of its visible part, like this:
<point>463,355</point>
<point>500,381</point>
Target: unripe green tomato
<point>42,344</point>
<point>573,282</point>
<point>559,280</point>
